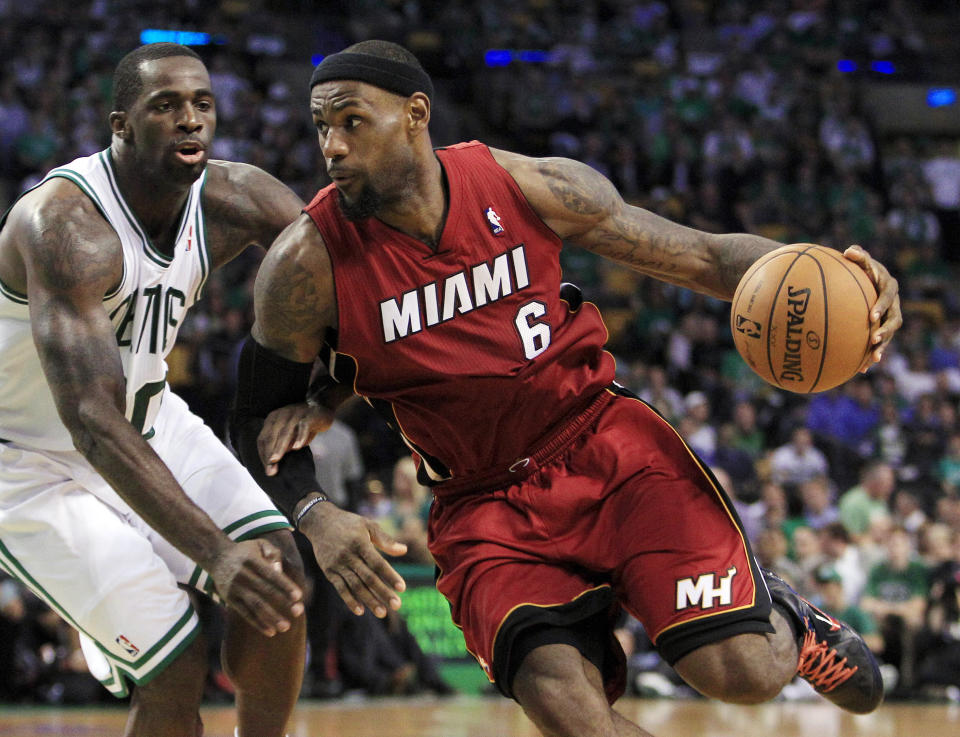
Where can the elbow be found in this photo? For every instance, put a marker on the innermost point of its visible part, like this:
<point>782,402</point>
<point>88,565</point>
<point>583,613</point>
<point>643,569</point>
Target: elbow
<point>84,441</point>
<point>84,435</point>
<point>90,426</point>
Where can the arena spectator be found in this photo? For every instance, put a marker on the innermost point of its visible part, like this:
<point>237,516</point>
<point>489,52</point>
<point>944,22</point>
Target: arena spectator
<point>658,392</point>
<point>870,498</point>
<point>771,551</point>
<point>896,596</point>
<point>807,553</point>
<point>845,559</point>
<point>834,600</point>
<point>938,646</point>
<point>819,509</point>
<point>695,426</point>
<point>798,460</point>
<point>736,462</point>
<point>338,463</point>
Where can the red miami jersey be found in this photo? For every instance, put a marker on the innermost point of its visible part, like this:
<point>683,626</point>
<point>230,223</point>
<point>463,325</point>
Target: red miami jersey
<point>469,350</point>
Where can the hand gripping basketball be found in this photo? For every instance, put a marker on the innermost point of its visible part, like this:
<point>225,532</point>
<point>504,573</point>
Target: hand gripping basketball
<point>801,317</point>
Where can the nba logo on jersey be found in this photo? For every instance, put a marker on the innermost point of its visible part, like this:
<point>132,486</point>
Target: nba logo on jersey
<point>493,220</point>
<point>127,645</point>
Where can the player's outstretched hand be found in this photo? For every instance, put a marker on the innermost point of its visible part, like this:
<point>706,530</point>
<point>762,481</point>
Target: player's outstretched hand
<point>885,317</point>
<point>249,577</point>
<point>345,545</point>
<point>290,428</point>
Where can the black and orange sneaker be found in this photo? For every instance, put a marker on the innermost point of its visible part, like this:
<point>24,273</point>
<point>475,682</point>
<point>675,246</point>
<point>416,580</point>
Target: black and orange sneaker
<point>834,659</point>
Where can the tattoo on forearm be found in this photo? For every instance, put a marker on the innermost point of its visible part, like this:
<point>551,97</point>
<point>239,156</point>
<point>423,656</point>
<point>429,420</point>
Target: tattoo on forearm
<point>739,252</point>
<point>643,240</point>
<point>641,247</point>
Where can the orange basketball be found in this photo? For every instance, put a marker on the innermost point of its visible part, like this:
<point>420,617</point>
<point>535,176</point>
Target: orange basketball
<point>801,317</point>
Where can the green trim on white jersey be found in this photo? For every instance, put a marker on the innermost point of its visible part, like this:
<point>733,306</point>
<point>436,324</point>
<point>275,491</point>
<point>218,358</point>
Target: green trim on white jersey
<point>141,668</point>
<point>146,310</point>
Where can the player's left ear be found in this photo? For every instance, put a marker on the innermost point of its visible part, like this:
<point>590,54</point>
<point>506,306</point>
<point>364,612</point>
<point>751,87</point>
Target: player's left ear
<point>418,112</point>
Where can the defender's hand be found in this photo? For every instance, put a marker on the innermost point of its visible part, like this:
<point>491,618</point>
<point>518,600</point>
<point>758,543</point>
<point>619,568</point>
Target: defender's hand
<point>249,577</point>
<point>290,428</point>
<point>345,545</point>
<point>885,317</point>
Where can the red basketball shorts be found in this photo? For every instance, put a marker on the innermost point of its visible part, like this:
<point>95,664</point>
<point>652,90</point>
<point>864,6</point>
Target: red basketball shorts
<point>624,515</point>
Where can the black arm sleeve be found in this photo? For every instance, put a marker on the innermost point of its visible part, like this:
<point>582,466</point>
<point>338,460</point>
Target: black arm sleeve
<point>265,382</point>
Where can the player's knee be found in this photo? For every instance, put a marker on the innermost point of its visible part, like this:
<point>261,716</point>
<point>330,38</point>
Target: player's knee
<point>553,688</point>
<point>751,687</point>
<point>540,690</point>
<point>739,670</point>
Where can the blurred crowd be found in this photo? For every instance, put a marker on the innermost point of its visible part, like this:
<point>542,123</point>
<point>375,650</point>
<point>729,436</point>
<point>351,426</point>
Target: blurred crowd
<point>726,115</point>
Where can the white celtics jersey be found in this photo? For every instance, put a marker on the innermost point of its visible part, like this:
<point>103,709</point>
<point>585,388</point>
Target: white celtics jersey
<point>146,310</point>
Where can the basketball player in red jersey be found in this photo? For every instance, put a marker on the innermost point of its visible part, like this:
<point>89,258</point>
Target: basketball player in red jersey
<point>429,283</point>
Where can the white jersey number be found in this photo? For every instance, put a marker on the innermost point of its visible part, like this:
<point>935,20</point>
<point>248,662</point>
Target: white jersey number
<point>535,335</point>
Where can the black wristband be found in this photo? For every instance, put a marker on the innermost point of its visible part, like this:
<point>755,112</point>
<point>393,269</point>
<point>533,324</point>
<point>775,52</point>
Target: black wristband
<point>320,497</point>
<point>265,382</point>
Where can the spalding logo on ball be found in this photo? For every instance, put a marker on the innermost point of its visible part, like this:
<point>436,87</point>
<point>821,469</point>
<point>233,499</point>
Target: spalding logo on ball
<point>800,317</point>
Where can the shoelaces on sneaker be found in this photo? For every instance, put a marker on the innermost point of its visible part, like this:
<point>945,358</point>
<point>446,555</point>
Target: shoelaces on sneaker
<point>819,665</point>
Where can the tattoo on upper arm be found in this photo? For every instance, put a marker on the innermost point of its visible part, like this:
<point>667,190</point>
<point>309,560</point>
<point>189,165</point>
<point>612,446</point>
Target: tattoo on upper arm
<point>67,259</point>
<point>581,190</point>
<point>289,304</point>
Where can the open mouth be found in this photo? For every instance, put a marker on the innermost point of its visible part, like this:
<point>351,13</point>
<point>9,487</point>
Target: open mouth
<point>190,152</point>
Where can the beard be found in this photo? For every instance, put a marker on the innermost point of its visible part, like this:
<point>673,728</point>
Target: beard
<point>365,206</point>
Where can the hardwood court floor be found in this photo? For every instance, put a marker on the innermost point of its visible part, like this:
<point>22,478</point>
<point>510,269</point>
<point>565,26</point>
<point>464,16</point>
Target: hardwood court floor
<point>496,717</point>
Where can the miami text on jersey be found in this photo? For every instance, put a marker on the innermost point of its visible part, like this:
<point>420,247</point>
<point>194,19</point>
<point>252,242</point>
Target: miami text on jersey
<point>438,301</point>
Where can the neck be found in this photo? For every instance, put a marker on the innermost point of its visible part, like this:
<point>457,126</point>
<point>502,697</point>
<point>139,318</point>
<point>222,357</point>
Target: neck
<point>422,211</point>
<point>155,201</point>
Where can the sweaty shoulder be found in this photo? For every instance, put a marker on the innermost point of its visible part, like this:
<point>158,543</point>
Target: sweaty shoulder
<point>54,235</point>
<point>294,295</point>
<point>570,196</point>
<point>244,205</point>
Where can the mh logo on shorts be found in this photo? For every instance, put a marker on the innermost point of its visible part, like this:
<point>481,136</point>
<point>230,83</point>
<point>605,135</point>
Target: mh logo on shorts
<point>703,593</point>
<point>127,645</point>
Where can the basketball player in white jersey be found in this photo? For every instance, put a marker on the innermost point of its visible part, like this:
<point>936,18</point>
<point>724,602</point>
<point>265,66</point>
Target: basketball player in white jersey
<point>113,496</point>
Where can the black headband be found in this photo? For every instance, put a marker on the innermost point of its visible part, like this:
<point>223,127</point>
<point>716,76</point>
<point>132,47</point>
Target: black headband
<point>394,76</point>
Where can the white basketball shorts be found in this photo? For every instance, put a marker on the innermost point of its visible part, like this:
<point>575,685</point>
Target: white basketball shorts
<point>66,534</point>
